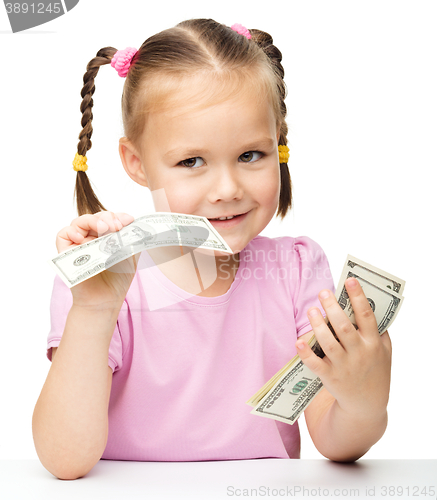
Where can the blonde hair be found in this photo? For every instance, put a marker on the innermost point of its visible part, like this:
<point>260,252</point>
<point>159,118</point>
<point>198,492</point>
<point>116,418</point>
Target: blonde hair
<point>200,48</point>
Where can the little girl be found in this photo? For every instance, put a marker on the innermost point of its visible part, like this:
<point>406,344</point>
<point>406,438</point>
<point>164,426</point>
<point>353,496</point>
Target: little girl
<point>146,368</point>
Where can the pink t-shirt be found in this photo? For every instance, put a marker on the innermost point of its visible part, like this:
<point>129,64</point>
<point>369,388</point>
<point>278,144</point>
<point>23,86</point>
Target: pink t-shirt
<point>184,366</point>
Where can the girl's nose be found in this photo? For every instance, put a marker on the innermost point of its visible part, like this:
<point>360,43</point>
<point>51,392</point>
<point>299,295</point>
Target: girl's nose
<point>226,184</point>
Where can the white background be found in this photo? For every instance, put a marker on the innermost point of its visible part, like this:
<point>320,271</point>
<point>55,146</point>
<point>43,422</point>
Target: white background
<point>362,108</point>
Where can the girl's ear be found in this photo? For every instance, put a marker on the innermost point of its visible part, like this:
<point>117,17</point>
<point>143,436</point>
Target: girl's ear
<point>132,162</point>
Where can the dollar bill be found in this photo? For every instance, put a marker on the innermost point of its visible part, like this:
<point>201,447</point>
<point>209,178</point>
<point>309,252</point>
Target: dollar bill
<point>288,393</point>
<point>160,229</point>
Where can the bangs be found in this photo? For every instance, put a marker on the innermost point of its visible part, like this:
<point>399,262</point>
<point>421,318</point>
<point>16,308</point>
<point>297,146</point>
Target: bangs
<point>204,89</point>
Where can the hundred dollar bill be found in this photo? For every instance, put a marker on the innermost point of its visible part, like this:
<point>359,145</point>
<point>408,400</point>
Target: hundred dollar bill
<point>287,394</point>
<point>379,278</point>
<point>155,230</point>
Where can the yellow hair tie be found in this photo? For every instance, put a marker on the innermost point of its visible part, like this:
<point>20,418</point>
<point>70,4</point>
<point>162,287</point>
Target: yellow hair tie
<point>283,154</point>
<point>79,163</point>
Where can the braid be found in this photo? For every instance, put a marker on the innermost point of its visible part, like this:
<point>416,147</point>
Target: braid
<point>87,201</point>
<point>265,42</point>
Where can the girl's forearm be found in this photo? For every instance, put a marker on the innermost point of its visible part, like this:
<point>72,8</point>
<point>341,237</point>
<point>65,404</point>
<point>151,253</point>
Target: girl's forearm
<point>70,420</point>
<point>342,437</point>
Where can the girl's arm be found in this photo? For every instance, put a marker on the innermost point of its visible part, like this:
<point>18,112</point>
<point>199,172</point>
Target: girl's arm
<point>349,415</point>
<point>70,420</point>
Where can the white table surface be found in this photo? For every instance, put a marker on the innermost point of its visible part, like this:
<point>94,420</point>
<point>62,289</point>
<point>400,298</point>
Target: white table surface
<point>262,478</point>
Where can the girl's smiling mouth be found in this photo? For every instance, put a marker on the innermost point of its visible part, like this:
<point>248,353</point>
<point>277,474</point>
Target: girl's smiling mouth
<point>228,223</point>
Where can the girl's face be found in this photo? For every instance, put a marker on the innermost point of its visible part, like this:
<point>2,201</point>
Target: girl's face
<point>214,161</point>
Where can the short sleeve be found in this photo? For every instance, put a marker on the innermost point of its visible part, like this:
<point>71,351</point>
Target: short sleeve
<point>312,274</point>
<point>60,305</point>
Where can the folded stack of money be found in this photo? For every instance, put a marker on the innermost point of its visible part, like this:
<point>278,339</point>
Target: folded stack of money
<point>286,395</point>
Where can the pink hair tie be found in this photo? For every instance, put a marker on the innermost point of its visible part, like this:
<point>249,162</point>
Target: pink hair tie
<point>239,28</point>
<point>121,60</point>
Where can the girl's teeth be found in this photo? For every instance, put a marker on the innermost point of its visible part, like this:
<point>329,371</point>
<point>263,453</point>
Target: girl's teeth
<point>224,218</point>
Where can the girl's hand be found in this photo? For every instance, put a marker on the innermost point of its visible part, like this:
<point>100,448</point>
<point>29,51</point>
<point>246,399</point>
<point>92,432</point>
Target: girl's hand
<point>108,288</point>
<point>356,370</point>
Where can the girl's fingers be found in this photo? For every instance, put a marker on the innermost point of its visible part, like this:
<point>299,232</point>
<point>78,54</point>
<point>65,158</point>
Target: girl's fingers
<point>344,329</point>
<point>90,226</point>
<point>101,223</point>
<point>69,234</point>
<point>107,223</point>
<point>111,222</point>
<point>124,218</point>
<point>66,237</point>
<point>363,313</point>
<point>331,347</point>
<point>97,225</point>
<point>75,235</point>
<point>86,224</point>
<point>317,365</point>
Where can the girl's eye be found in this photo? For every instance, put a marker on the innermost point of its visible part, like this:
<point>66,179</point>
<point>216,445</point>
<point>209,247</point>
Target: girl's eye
<point>190,162</point>
<point>250,156</point>
<point>246,158</point>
